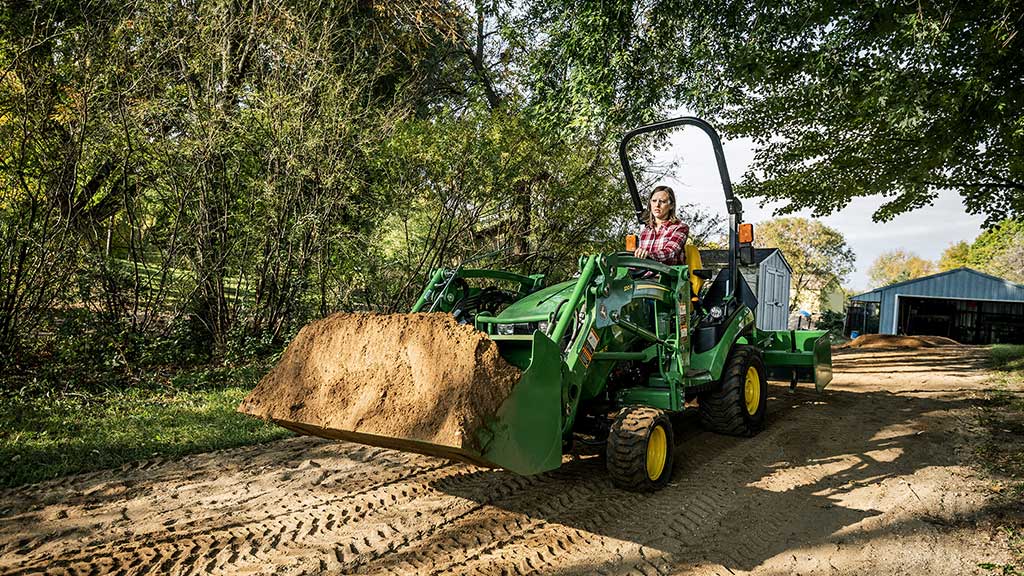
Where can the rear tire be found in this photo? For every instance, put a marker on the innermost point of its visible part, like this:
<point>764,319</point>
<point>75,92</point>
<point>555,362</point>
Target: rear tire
<point>738,406</point>
<point>640,449</point>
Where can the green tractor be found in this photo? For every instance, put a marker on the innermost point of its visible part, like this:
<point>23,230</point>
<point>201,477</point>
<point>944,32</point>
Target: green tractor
<point>608,356</point>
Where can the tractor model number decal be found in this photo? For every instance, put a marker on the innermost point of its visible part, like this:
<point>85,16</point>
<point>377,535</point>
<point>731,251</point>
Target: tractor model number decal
<point>587,352</point>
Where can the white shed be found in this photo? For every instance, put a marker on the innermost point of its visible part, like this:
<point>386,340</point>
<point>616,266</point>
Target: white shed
<point>769,278</point>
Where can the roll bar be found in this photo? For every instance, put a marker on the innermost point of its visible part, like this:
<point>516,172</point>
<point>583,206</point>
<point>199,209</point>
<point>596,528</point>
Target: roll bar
<point>732,203</point>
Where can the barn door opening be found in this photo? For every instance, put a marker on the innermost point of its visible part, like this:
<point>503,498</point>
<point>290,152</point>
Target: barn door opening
<point>966,321</point>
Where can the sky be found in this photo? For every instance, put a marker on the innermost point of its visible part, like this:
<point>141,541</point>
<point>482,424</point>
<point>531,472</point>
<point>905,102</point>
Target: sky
<point>926,232</point>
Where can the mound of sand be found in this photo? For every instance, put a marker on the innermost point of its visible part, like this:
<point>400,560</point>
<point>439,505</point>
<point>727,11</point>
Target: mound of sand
<point>903,342</point>
<point>420,377</point>
<point>940,340</point>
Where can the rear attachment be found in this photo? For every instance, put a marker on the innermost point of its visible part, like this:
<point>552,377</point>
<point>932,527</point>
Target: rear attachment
<point>799,356</point>
<point>420,383</point>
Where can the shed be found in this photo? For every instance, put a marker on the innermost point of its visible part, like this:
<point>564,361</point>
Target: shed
<point>769,279</point>
<point>963,304</point>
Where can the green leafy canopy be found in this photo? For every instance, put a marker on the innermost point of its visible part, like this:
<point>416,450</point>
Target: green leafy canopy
<point>850,99</point>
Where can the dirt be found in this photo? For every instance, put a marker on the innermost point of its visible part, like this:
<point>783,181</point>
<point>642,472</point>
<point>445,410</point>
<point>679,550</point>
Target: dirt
<point>878,475</point>
<point>420,377</point>
<point>898,342</point>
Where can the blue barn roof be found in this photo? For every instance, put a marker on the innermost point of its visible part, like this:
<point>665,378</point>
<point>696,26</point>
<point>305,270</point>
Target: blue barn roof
<point>960,283</point>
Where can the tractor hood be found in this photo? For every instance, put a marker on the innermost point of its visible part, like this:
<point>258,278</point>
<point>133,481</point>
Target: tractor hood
<point>544,301</point>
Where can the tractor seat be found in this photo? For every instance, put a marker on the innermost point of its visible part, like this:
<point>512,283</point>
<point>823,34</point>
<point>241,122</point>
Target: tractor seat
<point>693,262</point>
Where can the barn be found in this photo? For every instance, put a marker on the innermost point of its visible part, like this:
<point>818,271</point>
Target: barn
<point>768,277</point>
<point>963,304</point>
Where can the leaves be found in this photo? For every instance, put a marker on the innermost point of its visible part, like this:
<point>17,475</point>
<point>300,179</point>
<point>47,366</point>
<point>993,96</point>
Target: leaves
<point>864,99</point>
<point>243,167</point>
<point>818,254</point>
<point>898,266</point>
<point>998,251</point>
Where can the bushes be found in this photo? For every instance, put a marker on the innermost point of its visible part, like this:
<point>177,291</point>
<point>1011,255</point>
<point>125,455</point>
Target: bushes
<point>834,322</point>
<point>1008,357</point>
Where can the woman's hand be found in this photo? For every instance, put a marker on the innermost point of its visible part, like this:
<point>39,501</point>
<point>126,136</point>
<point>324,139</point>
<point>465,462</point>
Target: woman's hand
<point>640,253</point>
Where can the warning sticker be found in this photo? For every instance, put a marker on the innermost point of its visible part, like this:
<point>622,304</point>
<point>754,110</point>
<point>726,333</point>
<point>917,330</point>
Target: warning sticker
<point>586,356</point>
<point>587,352</point>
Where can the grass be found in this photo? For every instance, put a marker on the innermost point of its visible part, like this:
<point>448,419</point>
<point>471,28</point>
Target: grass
<point>1015,541</point>
<point>1002,450</point>
<point>1008,357</point>
<point>1001,413</point>
<point>46,434</point>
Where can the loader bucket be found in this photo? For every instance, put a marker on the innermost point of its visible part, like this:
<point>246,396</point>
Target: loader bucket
<point>419,383</point>
<point>526,436</point>
<point>799,356</point>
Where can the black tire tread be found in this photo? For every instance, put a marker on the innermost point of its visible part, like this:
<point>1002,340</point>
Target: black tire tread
<point>627,448</point>
<point>722,409</point>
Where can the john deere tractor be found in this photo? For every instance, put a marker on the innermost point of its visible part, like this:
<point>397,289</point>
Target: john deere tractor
<point>609,355</point>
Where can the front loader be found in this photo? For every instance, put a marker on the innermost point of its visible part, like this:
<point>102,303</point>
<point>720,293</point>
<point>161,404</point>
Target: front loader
<point>608,356</point>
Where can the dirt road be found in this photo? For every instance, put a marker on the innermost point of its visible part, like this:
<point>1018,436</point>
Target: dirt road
<point>869,478</point>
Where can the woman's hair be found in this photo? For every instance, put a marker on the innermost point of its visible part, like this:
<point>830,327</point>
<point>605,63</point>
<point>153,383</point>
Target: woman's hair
<point>672,217</point>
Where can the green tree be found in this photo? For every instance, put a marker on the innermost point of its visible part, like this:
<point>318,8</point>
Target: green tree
<point>849,99</point>
<point>956,256</point>
<point>241,166</point>
<point>818,254</point>
<point>998,251</point>
<point>898,266</point>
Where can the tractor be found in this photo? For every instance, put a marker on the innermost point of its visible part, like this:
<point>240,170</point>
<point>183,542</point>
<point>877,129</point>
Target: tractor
<point>607,357</point>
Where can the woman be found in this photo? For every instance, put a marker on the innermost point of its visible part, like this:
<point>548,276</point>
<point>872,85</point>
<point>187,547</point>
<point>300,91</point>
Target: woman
<point>664,235</point>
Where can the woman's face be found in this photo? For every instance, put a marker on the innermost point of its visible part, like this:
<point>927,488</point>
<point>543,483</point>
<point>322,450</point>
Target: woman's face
<point>661,205</point>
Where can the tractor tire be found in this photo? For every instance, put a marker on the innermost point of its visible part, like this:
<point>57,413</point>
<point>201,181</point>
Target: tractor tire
<point>640,449</point>
<point>738,406</point>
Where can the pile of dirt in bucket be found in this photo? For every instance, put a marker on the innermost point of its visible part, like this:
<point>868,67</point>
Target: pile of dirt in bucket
<point>902,342</point>
<point>418,377</point>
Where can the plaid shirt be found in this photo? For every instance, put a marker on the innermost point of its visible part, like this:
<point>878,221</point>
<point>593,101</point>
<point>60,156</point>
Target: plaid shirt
<point>665,243</point>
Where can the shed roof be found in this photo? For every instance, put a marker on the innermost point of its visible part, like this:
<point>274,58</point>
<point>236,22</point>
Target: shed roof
<point>966,282</point>
<point>720,258</point>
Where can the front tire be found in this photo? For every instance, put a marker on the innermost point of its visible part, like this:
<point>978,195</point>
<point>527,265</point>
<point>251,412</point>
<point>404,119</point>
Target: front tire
<point>738,406</point>
<point>640,449</point>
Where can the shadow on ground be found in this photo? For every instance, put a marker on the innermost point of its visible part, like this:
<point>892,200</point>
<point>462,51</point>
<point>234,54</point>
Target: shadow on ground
<point>736,502</point>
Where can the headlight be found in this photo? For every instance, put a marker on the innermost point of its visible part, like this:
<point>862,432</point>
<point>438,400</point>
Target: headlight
<point>521,328</point>
<point>716,312</point>
<point>543,326</point>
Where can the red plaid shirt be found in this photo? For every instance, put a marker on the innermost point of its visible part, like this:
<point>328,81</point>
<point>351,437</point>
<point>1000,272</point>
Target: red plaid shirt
<point>665,243</point>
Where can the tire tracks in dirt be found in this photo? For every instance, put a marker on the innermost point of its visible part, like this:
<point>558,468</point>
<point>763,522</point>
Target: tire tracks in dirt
<point>825,468</point>
<point>280,517</point>
<point>526,524</point>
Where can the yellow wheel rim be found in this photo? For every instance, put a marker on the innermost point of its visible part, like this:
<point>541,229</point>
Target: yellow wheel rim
<point>752,391</point>
<point>657,452</point>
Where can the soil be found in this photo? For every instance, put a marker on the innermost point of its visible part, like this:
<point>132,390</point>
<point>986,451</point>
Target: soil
<point>878,475</point>
<point>420,377</point>
<point>898,342</point>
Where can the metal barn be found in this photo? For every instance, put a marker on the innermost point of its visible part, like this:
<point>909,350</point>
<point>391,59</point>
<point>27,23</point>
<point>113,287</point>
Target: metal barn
<point>769,279</point>
<point>963,304</point>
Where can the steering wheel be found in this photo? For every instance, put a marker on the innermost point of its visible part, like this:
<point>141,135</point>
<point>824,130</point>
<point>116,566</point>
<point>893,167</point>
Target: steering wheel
<point>492,298</point>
